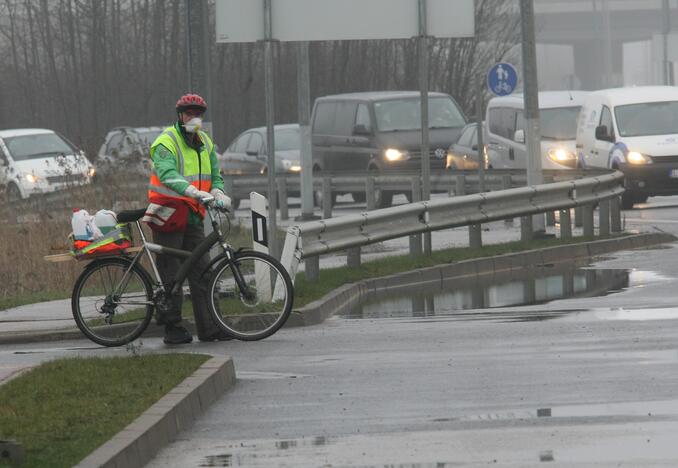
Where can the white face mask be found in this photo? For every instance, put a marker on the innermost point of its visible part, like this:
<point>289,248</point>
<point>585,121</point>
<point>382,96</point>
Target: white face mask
<point>193,125</point>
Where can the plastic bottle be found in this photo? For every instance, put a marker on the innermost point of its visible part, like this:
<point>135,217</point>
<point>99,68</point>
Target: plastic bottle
<point>84,227</point>
<point>105,220</point>
<point>79,225</point>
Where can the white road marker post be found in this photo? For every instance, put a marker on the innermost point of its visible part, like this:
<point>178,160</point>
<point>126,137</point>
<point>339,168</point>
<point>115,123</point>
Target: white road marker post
<point>262,273</point>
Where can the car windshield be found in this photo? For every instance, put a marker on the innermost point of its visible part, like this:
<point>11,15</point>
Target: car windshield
<point>405,114</point>
<point>42,145</point>
<point>648,118</point>
<point>288,139</point>
<point>149,136</point>
<point>559,123</point>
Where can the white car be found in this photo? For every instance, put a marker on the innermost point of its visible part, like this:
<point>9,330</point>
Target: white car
<point>35,160</point>
<point>634,130</point>
<point>505,130</point>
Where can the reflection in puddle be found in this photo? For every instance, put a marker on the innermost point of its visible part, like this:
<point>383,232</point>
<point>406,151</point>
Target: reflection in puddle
<point>536,285</point>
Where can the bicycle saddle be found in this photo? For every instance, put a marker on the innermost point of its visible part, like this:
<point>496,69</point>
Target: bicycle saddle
<point>130,215</point>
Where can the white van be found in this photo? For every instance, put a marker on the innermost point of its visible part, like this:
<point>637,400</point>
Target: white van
<point>505,130</point>
<point>35,160</point>
<point>634,130</point>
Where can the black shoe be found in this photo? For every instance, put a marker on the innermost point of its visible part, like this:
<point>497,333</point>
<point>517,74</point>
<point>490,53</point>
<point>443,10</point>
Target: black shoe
<point>176,334</point>
<point>217,336</point>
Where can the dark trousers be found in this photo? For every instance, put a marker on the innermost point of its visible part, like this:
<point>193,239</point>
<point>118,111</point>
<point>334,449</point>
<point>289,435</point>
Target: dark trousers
<point>168,266</point>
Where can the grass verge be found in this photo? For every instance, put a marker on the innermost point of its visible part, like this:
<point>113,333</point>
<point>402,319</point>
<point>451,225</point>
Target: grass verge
<point>62,410</point>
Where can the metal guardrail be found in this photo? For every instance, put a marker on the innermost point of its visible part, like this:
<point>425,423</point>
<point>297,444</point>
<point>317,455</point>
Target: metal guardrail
<point>129,193</point>
<point>315,238</point>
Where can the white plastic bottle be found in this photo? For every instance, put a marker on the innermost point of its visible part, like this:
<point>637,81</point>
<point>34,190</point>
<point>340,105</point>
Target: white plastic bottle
<point>79,225</point>
<point>105,220</point>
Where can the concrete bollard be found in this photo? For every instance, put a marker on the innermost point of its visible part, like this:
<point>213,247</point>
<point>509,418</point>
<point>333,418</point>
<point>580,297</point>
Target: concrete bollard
<point>604,218</point>
<point>415,239</point>
<point>587,220</point>
<point>565,224</point>
<point>353,257</point>
<point>526,232</point>
<point>282,199</point>
<point>327,197</point>
<point>615,215</point>
<point>475,236</point>
<point>369,192</point>
<point>312,269</point>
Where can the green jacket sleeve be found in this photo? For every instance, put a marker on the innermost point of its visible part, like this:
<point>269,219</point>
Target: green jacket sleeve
<point>165,166</point>
<point>217,180</point>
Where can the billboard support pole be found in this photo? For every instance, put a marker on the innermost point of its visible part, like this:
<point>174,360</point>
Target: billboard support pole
<point>270,138</point>
<point>531,93</point>
<point>423,84</point>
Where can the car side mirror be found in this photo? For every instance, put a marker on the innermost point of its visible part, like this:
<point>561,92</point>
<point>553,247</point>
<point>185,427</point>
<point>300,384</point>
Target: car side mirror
<point>251,153</point>
<point>361,129</point>
<point>519,136</point>
<point>474,148</point>
<point>602,133</point>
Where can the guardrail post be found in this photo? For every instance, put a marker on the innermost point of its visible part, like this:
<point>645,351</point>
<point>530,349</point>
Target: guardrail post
<point>604,218</point>
<point>507,183</point>
<point>526,232</point>
<point>312,268</point>
<point>587,216</point>
<point>353,257</point>
<point>475,236</point>
<point>327,197</point>
<point>369,193</point>
<point>565,224</point>
<point>578,217</point>
<point>615,215</point>
<point>282,198</point>
<point>460,185</point>
<point>415,239</point>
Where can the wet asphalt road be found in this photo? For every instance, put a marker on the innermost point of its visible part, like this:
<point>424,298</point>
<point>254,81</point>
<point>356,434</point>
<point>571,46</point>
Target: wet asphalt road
<point>594,385</point>
<point>581,382</point>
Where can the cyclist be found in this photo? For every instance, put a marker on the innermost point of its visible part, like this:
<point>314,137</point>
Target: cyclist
<point>184,171</point>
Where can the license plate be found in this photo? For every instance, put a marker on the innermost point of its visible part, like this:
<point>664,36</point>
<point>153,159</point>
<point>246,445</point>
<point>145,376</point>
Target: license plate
<point>673,173</point>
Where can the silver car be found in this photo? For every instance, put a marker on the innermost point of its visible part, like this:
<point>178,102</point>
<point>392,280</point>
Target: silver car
<point>247,154</point>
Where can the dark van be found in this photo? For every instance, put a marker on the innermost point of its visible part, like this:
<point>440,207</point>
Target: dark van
<point>381,132</point>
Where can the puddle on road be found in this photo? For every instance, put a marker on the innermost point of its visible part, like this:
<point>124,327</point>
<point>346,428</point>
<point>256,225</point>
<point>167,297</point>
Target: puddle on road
<point>538,285</point>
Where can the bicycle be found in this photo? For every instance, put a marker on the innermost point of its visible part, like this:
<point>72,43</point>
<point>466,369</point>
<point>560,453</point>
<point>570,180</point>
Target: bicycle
<point>249,293</point>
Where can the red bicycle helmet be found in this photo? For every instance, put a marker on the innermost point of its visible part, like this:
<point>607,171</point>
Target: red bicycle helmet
<point>191,101</point>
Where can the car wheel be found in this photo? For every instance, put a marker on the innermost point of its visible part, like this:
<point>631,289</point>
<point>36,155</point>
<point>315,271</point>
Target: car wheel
<point>13,193</point>
<point>627,200</point>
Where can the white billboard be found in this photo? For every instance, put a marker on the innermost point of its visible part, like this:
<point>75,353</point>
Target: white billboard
<point>325,20</point>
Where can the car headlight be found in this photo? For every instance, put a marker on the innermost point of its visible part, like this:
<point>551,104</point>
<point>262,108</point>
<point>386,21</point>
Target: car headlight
<point>561,155</point>
<point>31,178</point>
<point>91,172</point>
<point>393,154</point>
<point>637,159</point>
<point>295,168</point>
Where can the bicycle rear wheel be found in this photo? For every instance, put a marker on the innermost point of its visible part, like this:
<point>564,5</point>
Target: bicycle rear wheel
<point>264,303</point>
<point>112,303</point>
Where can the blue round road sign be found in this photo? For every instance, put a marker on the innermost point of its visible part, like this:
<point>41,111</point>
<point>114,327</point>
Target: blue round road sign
<point>502,79</point>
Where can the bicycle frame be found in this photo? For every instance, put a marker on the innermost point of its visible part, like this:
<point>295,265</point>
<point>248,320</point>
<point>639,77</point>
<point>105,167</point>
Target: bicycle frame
<point>190,258</point>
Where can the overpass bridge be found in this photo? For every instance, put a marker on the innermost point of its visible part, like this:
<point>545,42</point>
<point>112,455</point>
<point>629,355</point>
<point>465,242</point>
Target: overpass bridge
<point>591,44</point>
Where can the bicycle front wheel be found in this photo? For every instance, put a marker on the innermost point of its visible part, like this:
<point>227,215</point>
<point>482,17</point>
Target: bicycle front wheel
<point>250,296</point>
<point>112,301</point>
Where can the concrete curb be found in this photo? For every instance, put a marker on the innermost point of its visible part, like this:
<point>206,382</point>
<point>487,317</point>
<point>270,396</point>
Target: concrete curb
<point>349,295</point>
<point>139,442</point>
